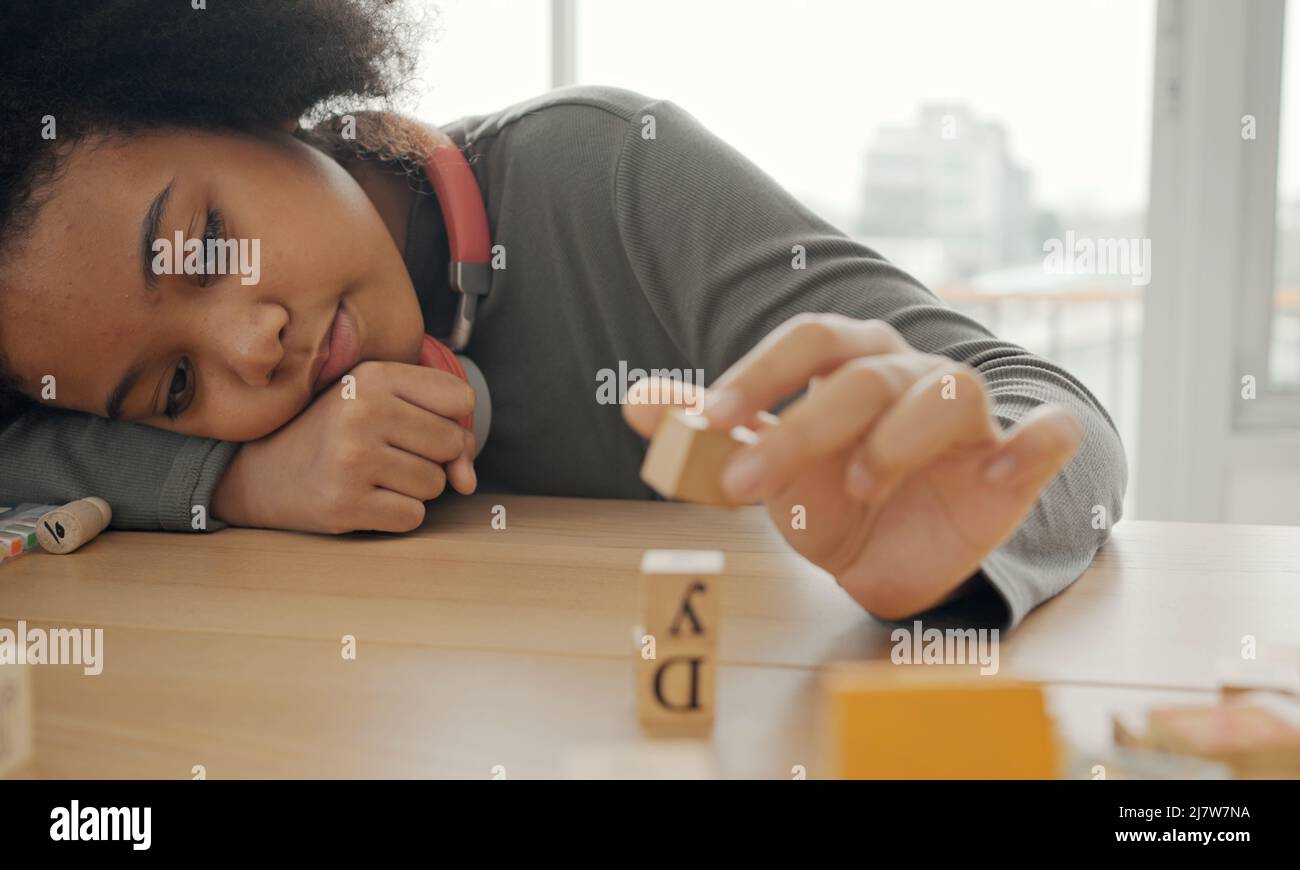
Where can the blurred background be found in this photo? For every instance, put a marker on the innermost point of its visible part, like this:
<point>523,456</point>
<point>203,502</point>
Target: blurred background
<point>958,139</point>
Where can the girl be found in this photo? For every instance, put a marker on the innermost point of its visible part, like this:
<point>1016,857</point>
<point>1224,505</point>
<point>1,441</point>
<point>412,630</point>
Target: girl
<point>930,459</point>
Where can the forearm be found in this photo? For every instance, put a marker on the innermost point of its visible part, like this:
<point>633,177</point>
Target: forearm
<point>235,498</point>
<point>153,479</point>
<point>229,499</point>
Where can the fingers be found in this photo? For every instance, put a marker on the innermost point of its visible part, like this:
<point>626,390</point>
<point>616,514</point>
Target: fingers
<point>460,471</point>
<point>824,421</point>
<point>429,438</point>
<point>1036,450</point>
<point>803,347</point>
<point>387,511</point>
<point>409,475</point>
<point>424,433</point>
<point>429,435</point>
<point>650,398</point>
<point>947,408</point>
<point>433,390</point>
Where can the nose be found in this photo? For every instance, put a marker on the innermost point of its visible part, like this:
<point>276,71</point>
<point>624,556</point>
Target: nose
<point>253,346</point>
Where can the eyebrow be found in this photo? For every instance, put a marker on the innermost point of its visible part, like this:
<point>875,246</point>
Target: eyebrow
<point>149,227</point>
<point>121,391</point>
<point>149,232</point>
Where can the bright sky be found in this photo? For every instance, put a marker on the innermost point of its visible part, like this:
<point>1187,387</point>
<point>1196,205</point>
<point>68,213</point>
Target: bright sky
<point>800,87</point>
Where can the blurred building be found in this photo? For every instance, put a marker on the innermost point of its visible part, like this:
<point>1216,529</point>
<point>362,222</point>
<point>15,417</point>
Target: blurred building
<point>944,195</point>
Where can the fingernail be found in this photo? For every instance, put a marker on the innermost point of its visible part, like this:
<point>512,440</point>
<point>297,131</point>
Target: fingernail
<point>743,475</point>
<point>723,405</point>
<point>1000,469</point>
<point>859,481</point>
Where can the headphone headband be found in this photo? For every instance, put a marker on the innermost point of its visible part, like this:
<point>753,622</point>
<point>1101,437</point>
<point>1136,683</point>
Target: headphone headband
<point>468,236</point>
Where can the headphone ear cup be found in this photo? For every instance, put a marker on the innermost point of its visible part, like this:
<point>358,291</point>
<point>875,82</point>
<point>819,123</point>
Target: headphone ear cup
<point>481,419</point>
<point>437,355</point>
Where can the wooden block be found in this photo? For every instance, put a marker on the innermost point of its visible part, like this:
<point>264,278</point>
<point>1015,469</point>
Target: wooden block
<point>686,457</point>
<point>1257,735</point>
<point>1128,732</point>
<point>677,656</point>
<point>64,529</point>
<point>937,722</point>
<point>1129,764</point>
<point>15,717</point>
<point>1266,673</point>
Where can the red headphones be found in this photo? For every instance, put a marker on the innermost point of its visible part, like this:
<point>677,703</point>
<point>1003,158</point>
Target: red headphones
<point>467,231</point>
<point>469,243</point>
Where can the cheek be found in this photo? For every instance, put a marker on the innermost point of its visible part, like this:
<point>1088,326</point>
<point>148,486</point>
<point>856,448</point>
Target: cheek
<point>361,248</point>
<point>313,261</point>
<point>65,354</point>
<point>325,213</point>
<point>243,416</point>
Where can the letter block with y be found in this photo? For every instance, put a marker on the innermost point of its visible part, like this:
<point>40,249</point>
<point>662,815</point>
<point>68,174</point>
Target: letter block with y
<point>676,683</point>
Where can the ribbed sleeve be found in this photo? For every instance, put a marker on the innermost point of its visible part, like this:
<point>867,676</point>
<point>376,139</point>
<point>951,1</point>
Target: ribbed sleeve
<point>152,478</point>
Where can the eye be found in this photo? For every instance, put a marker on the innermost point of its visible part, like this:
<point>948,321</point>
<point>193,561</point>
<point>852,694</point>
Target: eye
<point>180,394</point>
<point>213,231</point>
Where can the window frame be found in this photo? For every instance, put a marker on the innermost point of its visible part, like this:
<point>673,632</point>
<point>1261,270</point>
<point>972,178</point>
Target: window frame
<point>564,43</point>
<point>1274,406</point>
<point>1212,221</point>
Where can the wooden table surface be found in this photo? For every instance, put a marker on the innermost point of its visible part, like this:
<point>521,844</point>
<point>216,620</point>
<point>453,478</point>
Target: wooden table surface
<point>482,649</point>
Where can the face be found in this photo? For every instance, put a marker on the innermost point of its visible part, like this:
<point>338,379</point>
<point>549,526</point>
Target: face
<point>203,353</point>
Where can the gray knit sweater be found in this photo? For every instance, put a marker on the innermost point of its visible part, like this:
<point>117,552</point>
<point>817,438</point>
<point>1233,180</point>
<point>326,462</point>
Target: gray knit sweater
<point>670,251</point>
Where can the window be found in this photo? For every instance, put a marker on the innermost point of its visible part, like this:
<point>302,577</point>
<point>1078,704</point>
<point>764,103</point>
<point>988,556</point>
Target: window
<point>1284,347</point>
<point>964,145</point>
<point>483,55</point>
<point>954,141</point>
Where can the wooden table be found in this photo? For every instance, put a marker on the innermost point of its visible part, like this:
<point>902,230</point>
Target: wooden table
<point>482,649</point>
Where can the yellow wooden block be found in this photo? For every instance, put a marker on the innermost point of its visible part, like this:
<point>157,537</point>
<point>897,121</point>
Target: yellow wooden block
<point>677,654</point>
<point>686,457</point>
<point>937,722</point>
<point>16,716</point>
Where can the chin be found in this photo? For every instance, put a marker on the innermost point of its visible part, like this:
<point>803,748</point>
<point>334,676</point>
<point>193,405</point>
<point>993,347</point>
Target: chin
<point>406,349</point>
<point>392,326</point>
<point>413,356</point>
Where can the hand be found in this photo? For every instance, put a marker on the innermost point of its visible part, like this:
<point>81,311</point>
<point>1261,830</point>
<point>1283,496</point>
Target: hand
<point>368,462</point>
<point>906,480</point>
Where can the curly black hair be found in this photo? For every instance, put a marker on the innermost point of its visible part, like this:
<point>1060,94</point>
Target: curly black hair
<point>119,66</point>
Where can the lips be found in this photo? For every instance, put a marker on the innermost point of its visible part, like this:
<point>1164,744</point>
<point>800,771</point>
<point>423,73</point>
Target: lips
<point>342,350</point>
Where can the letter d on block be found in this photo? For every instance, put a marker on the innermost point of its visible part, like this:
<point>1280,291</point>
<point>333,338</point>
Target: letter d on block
<point>679,606</point>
